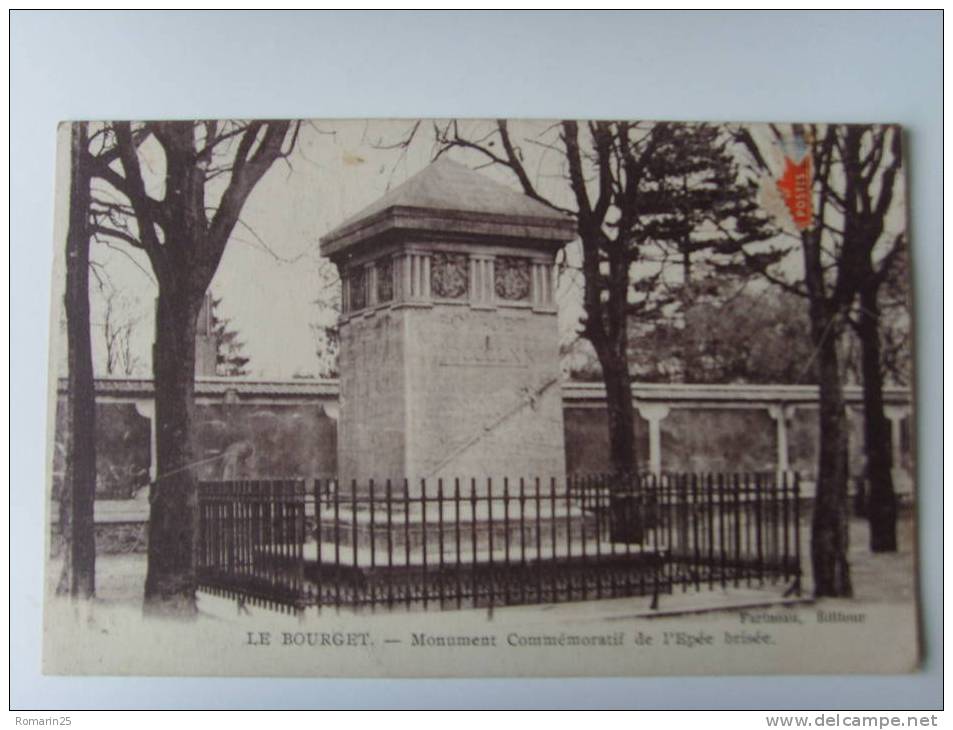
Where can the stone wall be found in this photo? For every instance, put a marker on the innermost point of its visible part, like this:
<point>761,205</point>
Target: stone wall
<point>802,442</point>
<point>718,440</point>
<point>232,440</point>
<point>290,434</point>
<point>263,441</point>
<point>122,449</point>
<point>587,440</point>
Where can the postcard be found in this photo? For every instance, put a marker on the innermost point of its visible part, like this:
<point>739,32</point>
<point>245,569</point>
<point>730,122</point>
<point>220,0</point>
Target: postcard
<point>464,397</point>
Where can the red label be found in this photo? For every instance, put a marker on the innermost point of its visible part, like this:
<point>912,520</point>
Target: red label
<point>795,186</point>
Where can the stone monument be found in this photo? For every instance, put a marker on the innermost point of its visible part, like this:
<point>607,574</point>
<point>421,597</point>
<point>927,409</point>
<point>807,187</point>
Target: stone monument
<point>449,347</point>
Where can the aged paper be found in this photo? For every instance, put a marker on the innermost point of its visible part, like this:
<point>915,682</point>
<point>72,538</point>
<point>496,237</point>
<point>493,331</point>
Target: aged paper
<point>480,398</point>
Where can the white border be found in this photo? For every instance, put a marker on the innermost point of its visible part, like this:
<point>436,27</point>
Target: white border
<point>811,66</point>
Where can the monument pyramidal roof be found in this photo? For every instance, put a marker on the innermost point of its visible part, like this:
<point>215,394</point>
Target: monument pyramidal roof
<point>448,190</point>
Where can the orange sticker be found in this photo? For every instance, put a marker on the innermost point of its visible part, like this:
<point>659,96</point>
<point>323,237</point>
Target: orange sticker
<point>795,186</point>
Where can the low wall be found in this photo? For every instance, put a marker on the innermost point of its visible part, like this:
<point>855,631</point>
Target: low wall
<point>242,429</point>
<point>264,429</point>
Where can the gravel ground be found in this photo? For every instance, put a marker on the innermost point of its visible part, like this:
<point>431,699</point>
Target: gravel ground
<point>877,577</point>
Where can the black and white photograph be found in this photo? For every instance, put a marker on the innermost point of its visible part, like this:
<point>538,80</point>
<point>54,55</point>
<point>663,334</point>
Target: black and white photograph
<point>481,397</point>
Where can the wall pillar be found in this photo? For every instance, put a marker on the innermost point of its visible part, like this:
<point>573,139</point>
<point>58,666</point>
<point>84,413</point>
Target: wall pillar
<point>542,288</point>
<point>147,409</point>
<point>370,282</point>
<point>781,415</point>
<point>416,276</point>
<point>406,265</point>
<point>481,280</point>
<point>654,413</point>
<point>896,416</point>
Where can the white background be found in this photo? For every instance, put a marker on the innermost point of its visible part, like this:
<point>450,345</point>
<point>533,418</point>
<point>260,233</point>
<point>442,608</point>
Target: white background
<point>811,66</point>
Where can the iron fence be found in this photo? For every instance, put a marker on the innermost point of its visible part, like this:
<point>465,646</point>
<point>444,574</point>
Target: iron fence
<point>482,543</point>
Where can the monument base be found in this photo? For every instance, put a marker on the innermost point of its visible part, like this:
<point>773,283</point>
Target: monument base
<point>484,530</point>
<point>487,582</point>
<point>488,554</point>
<point>460,555</point>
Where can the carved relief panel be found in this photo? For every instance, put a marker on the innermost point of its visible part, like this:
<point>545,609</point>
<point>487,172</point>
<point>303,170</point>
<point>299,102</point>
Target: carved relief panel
<point>357,284</point>
<point>385,279</point>
<point>512,278</point>
<point>449,275</point>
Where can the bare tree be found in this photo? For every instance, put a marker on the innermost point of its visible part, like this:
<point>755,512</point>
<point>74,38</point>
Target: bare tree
<point>324,324</point>
<point>872,161</point>
<point>829,297</point>
<point>182,223</point>
<point>815,186</point>
<point>895,323</point>
<point>119,321</point>
<point>848,190</point>
<point>77,498</point>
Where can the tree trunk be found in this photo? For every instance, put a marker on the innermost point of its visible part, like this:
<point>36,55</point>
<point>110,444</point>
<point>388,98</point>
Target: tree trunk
<point>173,516</point>
<point>79,489</point>
<point>829,534</point>
<point>621,416</point>
<point>881,503</point>
<point>626,519</point>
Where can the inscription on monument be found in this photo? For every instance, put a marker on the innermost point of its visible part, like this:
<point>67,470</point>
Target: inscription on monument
<point>466,344</point>
<point>488,352</point>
